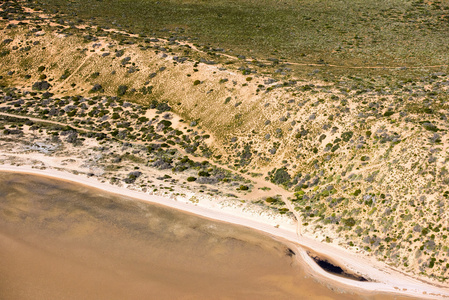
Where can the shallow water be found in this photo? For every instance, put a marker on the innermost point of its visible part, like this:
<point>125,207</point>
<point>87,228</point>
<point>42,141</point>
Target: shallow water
<point>60,240</point>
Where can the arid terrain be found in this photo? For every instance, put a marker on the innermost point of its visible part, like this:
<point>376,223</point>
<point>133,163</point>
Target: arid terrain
<point>356,158</point>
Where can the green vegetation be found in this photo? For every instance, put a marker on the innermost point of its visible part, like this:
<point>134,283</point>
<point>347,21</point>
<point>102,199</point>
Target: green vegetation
<point>364,152</point>
<point>121,90</point>
<point>280,176</point>
<point>399,32</point>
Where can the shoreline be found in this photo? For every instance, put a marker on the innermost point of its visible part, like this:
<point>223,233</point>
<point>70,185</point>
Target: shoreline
<point>383,279</point>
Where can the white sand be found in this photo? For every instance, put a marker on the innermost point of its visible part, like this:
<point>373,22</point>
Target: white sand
<point>384,279</point>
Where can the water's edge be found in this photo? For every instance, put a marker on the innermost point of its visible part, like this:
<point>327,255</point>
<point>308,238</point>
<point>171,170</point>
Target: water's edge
<point>37,208</point>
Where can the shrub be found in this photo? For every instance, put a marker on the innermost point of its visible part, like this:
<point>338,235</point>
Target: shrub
<point>96,88</point>
<point>65,75</point>
<point>196,82</point>
<point>203,174</point>
<point>432,262</point>
<point>72,113</point>
<point>125,60</point>
<point>349,222</point>
<point>47,95</point>
<point>41,68</point>
<point>41,85</point>
<point>163,107</point>
<point>346,136</point>
<point>335,148</point>
<point>122,90</point>
<point>165,123</point>
<point>132,176</point>
<point>191,179</point>
<point>281,176</point>
<point>270,200</point>
<point>430,127</point>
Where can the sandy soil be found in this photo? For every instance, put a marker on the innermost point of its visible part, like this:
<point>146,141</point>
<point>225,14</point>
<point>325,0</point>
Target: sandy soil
<point>382,278</point>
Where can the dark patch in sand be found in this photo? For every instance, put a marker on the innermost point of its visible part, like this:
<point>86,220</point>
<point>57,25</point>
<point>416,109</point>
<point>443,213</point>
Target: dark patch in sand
<point>330,267</point>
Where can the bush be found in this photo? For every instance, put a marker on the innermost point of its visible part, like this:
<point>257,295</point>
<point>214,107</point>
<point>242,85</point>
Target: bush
<point>132,177</point>
<point>270,200</point>
<point>203,174</point>
<point>346,136</point>
<point>163,107</point>
<point>432,262</point>
<point>349,222</point>
<point>196,82</point>
<point>122,90</point>
<point>274,201</point>
<point>96,88</point>
<point>281,176</point>
<point>125,60</point>
<point>191,179</point>
<point>165,123</point>
<point>4,52</point>
<point>47,95</point>
<point>65,75</point>
<point>430,127</point>
<point>41,85</point>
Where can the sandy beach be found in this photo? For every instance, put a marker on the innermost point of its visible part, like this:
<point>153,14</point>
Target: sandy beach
<point>382,279</point>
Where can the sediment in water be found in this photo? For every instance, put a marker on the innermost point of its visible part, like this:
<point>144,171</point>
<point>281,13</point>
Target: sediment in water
<point>64,240</point>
